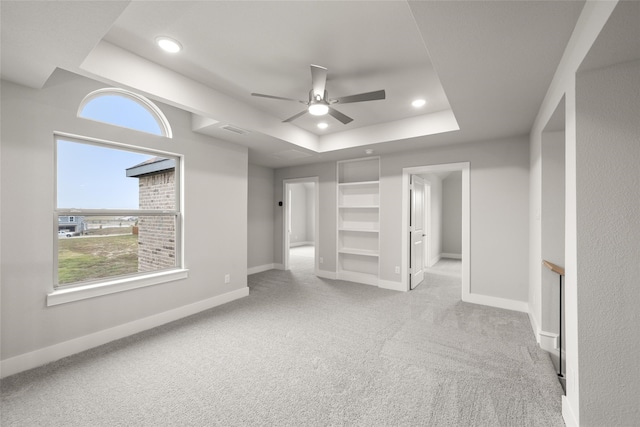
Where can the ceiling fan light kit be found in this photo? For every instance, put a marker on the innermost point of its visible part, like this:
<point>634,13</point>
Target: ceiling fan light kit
<point>319,102</point>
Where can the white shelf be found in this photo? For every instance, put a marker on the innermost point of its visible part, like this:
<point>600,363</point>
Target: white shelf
<point>358,233</point>
<point>362,252</point>
<point>359,184</point>
<point>359,230</point>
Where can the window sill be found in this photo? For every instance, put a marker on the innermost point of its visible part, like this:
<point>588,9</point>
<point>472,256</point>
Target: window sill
<point>62,296</point>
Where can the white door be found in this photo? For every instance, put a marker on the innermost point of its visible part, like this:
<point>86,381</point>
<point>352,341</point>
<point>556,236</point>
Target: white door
<point>416,232</point>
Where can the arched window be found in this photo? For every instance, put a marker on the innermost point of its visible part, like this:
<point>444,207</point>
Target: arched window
<point>126,109</point>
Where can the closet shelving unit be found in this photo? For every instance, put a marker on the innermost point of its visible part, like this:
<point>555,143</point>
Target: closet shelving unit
<point>358,220</point>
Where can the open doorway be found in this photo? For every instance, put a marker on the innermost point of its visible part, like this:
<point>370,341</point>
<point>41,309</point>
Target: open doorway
<point>436,224</point>
<point>301,225</point>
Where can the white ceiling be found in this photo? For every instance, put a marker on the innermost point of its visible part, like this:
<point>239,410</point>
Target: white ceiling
<point>493,60</point>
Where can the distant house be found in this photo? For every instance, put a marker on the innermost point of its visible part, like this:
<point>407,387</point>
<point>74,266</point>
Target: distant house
<point>156,234</point>
<point>73,224</point>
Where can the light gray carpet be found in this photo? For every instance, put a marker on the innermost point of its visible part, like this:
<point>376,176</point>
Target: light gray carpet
<point>303,351</point>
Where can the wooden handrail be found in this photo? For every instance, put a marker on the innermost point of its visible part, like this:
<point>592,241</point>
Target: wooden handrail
<point>553,267</point>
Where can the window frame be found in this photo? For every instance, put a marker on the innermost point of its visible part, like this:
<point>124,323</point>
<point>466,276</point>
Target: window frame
<point>144,102</point>
<point>92,288</point>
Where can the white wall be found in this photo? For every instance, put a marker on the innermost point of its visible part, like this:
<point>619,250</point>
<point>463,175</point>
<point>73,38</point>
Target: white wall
<point>596,18</point>
<point>299,214</point>
<point>452,214</point>
<point>325,240</point>
<point>499,173</point>
<point>552,225</point>
<point>499,211</point>
<point>260,217</point>
<point>215,212</point>
<point>608,246</point>
<point>311,211</point>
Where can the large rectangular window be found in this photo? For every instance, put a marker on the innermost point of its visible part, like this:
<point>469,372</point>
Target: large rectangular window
<point>117,212</point>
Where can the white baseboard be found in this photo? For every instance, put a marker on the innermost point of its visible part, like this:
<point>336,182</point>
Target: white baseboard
<point>354,276</point>
<point>278,266</point>
<point>568,415</point>
<point>534,325</point>
<point>434,261</point>
<point>296,244</point>
<point>326,274</point>
<point>508,304</point>
<point>452,256</point>
<point>394,286</point>
<point>55,352</point>
<point>548,342</point>
<point>260,269</point>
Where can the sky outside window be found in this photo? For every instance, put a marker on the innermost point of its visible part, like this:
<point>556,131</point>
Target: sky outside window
<point>94,177</point>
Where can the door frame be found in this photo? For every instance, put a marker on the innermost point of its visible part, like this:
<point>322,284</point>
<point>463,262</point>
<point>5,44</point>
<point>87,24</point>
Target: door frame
<point>466,220</point>
<point>286,219</point>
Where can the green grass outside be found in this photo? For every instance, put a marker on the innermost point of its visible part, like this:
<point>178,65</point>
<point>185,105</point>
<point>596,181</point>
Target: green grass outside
<point>89,258</point>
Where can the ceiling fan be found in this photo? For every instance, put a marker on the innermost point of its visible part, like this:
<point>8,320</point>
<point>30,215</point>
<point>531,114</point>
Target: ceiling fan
<point>319,102</point>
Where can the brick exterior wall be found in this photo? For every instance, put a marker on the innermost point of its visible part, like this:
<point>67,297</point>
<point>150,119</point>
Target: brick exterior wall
<point>156,234</point>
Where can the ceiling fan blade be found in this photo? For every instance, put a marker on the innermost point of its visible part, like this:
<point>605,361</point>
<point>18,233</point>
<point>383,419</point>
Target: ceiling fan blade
<point>318,80</point>
<point>368,96</point>
<point>338,115</point>
<point>276,97</point>
<point>292,118</point>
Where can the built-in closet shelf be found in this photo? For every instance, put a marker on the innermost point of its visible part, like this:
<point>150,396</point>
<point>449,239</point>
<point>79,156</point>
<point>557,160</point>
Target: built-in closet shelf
<point>359,230</point>
<point>358,222</point>
<point>358,252</point>
<point>359,184</point>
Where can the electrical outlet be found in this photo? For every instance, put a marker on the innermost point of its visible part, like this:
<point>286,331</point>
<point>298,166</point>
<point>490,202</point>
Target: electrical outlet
<point>321,260</point>
<point>397,270</point>
<point>227,278</point>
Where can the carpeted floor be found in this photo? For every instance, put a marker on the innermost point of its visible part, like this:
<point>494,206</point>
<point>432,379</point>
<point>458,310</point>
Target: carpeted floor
<point>304,351</point>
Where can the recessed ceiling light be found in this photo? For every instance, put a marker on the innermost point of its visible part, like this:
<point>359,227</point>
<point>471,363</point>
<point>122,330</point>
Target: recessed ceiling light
<point>323,125</point>
<point>168,44</point>
<point>418,103</point>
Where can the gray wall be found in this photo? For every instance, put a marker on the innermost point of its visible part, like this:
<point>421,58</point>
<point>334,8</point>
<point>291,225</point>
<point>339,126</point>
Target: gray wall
<point>325,241</point>
<point>215,210</point>
<point>452,214</point>
<point>260,216</point>
<point>499,211</point>
<point>608,248</point>
<point>552,223</point>
<point>311,212</point>
<point>302,214</point>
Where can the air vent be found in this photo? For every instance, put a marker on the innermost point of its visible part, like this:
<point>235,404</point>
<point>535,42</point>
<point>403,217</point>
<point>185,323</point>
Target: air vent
<point>291,154</point>
<point>234,129</point>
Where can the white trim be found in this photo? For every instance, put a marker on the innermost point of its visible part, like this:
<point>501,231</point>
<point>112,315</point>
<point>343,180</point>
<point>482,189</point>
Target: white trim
<point>451,256</point>
<point>568,415</point>
<point>296,244</point>
<point>434,261</point>
<point>278,266</point>
<point>327,274</point>
<point>548,342</point>
<point>55,352</point>
<point>77,293</point>
<point>507,304</point>
<point>260,268</point>
<point>534,325</point>
<point>389,284</point>
<point>354,276</point>
<point>143,101</point>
